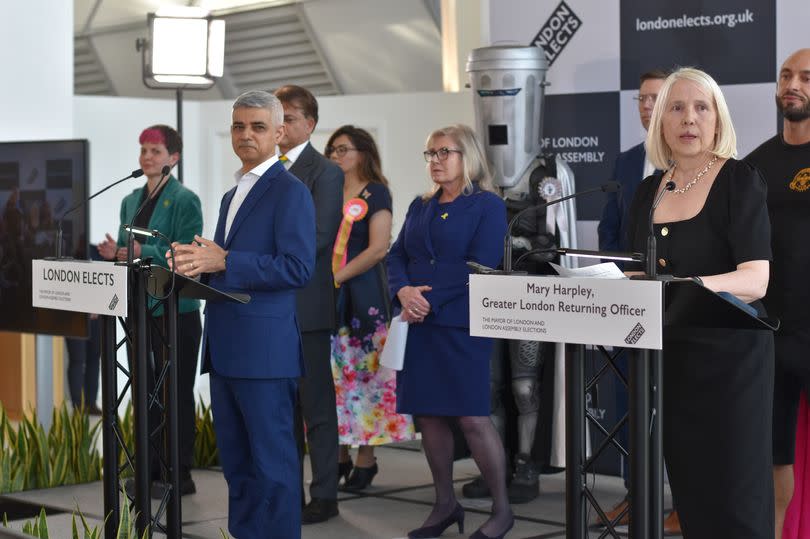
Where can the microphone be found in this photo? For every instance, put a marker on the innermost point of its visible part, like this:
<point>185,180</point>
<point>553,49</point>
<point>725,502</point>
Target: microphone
<point>651,269</point>
<point>138,231</point>
<point>607,187</point>
<point>134,174</point>
<point>164,173</point>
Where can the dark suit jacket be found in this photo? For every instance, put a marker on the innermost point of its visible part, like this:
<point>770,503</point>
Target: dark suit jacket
<point>628,171</point>
<point>316,301</point>
<point>271,252</point>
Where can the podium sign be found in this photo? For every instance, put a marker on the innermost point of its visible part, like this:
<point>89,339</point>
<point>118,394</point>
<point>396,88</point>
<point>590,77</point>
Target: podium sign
<point>82,286</point>
<point>610,312</point>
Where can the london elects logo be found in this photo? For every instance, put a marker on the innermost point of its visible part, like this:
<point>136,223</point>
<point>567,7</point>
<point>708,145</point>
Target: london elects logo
<point>635,334</point>
<point>113,301</point>
<point>557,32</point>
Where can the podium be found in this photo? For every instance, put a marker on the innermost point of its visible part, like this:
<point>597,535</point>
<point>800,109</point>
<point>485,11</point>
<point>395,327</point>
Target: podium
<point>116,291</point>
<point>625,313</point>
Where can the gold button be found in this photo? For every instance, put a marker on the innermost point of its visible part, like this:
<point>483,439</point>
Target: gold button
<point>664,231</point>
<point>662,262</point>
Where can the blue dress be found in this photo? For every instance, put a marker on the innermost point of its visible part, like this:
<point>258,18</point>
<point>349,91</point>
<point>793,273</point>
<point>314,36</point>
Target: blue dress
<point>446,371</point>
<point>365,392</point>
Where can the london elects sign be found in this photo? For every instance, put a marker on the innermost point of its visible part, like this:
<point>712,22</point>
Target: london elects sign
<point>81,286</point>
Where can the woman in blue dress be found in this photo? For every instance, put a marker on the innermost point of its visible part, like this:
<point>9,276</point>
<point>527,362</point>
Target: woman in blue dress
<point>446,371</point>
<point>365,392</point>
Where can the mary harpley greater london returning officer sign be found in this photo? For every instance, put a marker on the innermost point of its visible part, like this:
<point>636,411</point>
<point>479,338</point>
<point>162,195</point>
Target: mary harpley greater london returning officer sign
<point>613,312</point>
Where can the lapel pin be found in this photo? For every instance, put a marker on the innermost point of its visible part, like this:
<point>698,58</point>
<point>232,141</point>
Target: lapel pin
<point>444,215</point>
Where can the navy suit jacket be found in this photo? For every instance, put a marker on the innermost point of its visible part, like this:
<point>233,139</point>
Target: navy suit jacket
<point>628,171</point>
<point>271,252</point>
<point>472,231</point>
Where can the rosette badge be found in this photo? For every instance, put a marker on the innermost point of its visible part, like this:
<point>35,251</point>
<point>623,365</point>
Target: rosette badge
<point>354,210</point>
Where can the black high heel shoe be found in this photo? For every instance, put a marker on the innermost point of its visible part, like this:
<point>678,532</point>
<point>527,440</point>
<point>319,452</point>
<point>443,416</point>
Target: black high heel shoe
<point>360,478</point>
<point>344,469</point>
<point>481,535</point>
<point>457,516</point>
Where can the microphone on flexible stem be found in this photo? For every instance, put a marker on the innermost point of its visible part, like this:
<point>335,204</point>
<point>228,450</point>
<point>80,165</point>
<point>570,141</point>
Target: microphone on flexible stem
<point>651,269</point>
<point>607,187</point>
<point>164,173</point>
<point>134,174</point>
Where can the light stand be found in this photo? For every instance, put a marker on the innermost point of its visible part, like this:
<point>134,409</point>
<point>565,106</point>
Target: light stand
<point>185,50</point>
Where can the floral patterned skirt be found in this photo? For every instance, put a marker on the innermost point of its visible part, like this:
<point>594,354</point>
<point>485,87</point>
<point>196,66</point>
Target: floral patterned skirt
<point>365,391</point>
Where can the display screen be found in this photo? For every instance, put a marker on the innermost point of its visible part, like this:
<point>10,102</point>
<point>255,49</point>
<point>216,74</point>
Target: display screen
<point>39,182</point>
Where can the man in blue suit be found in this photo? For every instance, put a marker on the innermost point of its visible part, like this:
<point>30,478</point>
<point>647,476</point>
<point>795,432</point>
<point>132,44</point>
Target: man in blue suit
<point>630,168</point>
<point>264,245</point>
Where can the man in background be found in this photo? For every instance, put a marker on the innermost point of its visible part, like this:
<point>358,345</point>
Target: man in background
<point>316,302</point>
<point>784,161</point>
<point>630,168</point>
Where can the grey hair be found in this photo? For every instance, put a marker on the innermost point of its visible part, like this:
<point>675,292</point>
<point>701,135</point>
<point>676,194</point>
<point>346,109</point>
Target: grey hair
<point>259,99</point>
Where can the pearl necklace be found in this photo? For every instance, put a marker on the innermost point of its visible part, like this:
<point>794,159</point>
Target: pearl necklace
<point>689,185</point>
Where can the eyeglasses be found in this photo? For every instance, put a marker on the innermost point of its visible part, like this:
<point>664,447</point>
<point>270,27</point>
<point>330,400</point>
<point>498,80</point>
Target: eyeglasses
<point>340,151</point>
<point>643,98</point>
<point>442,153</point>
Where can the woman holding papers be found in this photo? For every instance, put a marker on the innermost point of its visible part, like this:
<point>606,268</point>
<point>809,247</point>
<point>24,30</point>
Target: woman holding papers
<point>718,383</point>
<point>446,372</point>
<point>365,392</point>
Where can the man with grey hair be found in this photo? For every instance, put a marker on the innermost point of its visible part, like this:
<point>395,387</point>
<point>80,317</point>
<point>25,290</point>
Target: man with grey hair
<point>264,246</point>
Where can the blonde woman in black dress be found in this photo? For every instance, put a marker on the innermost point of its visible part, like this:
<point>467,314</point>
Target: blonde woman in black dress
<point>718,384</point>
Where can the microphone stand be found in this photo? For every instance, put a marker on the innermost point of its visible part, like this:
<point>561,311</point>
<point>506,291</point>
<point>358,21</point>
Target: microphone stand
<point>164,173</point>
<point>135,174</point>
<point>650,268</point>
<point>608,187</point>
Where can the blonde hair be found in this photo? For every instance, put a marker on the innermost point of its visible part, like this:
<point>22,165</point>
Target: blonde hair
<point>474,159</point>
<point>725,141</point>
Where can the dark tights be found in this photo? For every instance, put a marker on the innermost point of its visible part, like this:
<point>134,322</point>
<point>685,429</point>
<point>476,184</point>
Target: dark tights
<point>487,451</point>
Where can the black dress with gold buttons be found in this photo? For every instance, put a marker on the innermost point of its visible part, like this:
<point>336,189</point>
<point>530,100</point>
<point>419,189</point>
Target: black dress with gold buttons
<point>718,384</point>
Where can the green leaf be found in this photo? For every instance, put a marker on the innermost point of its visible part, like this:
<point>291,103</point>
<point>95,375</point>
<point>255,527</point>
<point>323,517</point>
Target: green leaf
<point>43,525</point>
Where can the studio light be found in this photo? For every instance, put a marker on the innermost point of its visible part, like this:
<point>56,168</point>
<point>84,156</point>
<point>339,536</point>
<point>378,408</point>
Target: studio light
<point>185,49</point>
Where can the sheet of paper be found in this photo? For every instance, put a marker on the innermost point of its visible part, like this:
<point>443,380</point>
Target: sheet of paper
<point>606,270</point>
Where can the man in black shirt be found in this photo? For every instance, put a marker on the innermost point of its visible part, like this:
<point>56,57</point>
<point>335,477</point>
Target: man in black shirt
<point>784,161</point>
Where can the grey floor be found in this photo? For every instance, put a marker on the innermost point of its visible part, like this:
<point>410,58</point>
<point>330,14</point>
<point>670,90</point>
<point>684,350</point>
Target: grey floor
<point>398,501</point>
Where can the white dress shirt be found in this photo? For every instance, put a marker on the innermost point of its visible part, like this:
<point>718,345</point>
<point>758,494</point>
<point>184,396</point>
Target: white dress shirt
<point>649,168</point>
<point>244,183</point>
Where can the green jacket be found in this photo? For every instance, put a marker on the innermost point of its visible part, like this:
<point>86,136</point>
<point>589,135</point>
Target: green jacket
<point>177,215</point>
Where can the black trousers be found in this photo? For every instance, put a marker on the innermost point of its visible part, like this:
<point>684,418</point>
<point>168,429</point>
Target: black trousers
<point>189,331</point>
<point>316,408</point>
<point>84,360</point>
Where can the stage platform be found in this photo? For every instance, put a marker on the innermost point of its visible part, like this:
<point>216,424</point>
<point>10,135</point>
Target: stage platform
<point>398,500</point>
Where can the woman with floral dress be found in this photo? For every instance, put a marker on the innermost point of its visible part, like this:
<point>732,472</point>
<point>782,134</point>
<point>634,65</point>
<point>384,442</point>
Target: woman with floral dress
<point>365,391</point>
